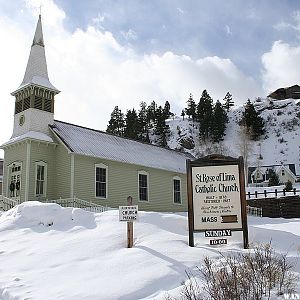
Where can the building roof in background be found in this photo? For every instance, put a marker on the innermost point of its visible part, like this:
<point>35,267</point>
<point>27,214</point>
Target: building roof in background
<point>90,142</point>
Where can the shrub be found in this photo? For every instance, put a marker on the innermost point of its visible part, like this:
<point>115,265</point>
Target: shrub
<point>288,185</point>
<point>250,275</point>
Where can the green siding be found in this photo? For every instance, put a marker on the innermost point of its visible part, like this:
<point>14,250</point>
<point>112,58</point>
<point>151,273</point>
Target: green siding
<point>15,153</point>
<point>42,152</point>
<point>122,178</point>
<point>63,172</point>
<point>123,181</point>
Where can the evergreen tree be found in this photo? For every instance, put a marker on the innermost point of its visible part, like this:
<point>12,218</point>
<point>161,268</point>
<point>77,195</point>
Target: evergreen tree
<point>183,114</point>
<point>219,122</point>
<point>116,122</point>
<point>167,110</point>
<point>191,108</point>
<point>253,121</point>
<point>204,114</point>
<point>273,178</point>
<point>131,125</point>
<point>161,128</point>
<point>151,113</point>
<point>142,122</point>
<point>228,102</point>
<point>288,185</point>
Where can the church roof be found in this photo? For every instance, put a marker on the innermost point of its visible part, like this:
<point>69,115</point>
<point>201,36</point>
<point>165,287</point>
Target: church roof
<point>36,71</point>
<point>90,142</point>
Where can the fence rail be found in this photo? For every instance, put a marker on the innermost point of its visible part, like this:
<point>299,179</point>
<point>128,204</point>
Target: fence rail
<point>254,211</point>
<point>79,203</point>
<point>7,204</point>
<point>276,193</point>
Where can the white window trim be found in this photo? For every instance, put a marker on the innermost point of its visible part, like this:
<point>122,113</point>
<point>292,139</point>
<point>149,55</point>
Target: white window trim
<point>177,178</point>
<point>18,163</point>
<point>44,164</point>
<point>138,184</point>
<point>102,166</point>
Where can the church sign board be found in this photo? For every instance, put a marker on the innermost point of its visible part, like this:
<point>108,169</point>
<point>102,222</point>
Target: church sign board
<point>216,198</point>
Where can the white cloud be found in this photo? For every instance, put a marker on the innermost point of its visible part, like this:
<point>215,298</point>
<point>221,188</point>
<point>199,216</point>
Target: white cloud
<point>95,73</point>
<point>129,35</point>
<point>281,66</point>
<point>228,30</point>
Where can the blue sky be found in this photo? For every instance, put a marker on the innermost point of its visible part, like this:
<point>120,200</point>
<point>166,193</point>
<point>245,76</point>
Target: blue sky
<point>106,53</point>
<point>239,30</point>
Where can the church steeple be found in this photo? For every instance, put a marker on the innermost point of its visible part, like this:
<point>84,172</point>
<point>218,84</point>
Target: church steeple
<point>34,98</point>
<point>36,71</point>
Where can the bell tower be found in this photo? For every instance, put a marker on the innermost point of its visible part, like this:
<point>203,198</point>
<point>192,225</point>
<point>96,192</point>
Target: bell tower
<point>34,98</point>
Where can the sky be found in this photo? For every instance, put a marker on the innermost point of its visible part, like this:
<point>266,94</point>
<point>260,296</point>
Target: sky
<point>106,53</point>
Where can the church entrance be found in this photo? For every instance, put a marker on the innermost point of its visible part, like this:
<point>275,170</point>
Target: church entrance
<point>14,184</point>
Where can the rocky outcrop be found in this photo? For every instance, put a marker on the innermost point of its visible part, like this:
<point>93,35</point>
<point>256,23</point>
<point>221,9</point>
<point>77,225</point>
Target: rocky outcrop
<point>292,92</point>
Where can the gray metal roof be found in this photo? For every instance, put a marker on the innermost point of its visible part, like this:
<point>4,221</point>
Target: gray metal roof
<point>95,143</point>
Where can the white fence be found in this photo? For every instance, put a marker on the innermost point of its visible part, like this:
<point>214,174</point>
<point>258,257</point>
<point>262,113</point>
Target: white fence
<point>7,204</point>
<point>76,202</point>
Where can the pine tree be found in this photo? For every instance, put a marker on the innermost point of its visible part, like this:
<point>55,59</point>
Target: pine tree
<point>204,115</point>
<point>116,122</point>
<point>142,122</point>
<point>253,121</point>
<point>228,102</point>
<point>161,128</point>
<point>131,125</point>
<point>273,178</point>
<point>167,110</point>
<point>183,114</point>
<point>219,122</point>
<point>191,108</point>
<point>151,113</point>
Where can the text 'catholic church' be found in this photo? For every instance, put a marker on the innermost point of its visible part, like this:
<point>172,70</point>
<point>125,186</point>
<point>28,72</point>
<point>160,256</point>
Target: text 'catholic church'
<point>50,159</point>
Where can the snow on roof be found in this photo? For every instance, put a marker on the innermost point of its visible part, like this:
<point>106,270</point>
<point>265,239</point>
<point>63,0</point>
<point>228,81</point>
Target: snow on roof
<point>96,143</point>
<point>29,135</point>
<point>36,71</point>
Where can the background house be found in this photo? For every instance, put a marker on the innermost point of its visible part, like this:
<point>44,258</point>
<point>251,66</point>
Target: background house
<point>259,176</point>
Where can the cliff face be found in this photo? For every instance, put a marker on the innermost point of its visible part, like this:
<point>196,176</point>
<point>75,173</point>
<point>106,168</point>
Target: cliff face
<point>292,92</point>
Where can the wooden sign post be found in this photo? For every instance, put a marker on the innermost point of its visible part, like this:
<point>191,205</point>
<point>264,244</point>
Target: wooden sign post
<point>216,198</point>
<point>129,214</point>
<point>129,227</point>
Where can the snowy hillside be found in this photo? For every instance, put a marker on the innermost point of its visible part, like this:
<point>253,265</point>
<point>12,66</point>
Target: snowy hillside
<point>50,252</point>
<point>279,145</point>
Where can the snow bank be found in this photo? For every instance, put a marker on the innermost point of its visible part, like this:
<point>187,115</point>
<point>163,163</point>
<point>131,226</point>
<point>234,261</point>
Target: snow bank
<point>36,214</point>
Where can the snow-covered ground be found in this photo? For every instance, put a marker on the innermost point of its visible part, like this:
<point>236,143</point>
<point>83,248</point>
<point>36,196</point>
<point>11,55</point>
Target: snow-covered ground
<point>279,145</point>
<point>50,252</point>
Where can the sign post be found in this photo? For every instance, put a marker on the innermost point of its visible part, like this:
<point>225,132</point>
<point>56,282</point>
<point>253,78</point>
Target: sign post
<point>216,198</point>
<point>129,214</point>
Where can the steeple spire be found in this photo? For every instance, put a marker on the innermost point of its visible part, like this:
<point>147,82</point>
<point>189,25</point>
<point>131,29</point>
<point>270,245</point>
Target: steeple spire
<point>36,71</point>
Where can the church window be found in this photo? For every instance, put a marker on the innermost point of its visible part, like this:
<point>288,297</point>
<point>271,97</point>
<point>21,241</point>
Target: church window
<point>101,181</point>
<point>40,178</point>
<point>177,190</point>
<point>143,186</point>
